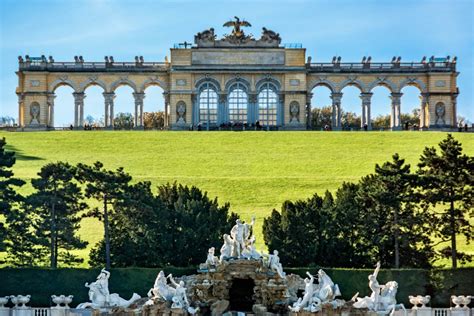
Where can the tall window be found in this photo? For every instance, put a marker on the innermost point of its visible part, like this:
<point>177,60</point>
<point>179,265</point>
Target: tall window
<point>238,100</point>
<point>208,104</point>
<point>267,105</point>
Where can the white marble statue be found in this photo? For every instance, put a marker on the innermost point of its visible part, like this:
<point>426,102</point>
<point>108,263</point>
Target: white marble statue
<point>227,247</point>
<point>317,294</point>
<point>240,233</point>
<point>250,252</point>
<point>274,263</point>
<point>382,300</point>
<point>211,261</point>
<point>160,290</point>
<point>305,301</point>
<point>100,296</point>
<point>180,299</point>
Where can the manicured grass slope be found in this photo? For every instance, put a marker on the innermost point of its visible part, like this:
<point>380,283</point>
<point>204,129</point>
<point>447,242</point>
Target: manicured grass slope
<point>254,171</point>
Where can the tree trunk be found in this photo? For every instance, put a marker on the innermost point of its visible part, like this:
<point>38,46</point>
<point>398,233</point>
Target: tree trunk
<point>106,235</point>
<point>453,236</point>
<point>53,234</point>
<point>396,234</point>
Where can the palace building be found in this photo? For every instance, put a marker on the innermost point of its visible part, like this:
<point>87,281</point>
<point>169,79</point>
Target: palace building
<point>237,80</point>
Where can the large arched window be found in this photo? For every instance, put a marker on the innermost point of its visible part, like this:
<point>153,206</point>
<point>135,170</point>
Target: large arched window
<point>238,100</point>
<point>208,104</point>
<point>267,105</point>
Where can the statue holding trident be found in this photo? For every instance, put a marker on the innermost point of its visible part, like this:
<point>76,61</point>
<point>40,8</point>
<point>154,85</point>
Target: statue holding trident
<point>241,233</point>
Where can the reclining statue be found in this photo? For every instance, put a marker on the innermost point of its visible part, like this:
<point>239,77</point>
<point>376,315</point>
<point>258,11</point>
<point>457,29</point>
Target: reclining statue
<point>273,262</point>
<point>100,296</point>
<point>382,300</point>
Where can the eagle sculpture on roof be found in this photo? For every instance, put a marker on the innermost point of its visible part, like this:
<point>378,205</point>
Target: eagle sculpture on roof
<point>237,32</point>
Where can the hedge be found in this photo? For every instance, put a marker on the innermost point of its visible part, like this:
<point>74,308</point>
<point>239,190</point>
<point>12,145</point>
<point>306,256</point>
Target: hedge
<point>42,283</point>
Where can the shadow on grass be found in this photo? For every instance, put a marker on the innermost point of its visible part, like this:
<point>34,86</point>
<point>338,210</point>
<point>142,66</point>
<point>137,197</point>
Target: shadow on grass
<point>19,154</point>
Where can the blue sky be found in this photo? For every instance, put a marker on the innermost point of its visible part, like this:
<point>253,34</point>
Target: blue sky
<point>124,29</point>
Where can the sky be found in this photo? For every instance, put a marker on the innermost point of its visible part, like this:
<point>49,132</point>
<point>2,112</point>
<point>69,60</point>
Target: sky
<point>126,28</point>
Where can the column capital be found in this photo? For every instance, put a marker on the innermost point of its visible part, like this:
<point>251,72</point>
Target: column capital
<point>253,97</point>
<point>366,97</point>
<point>336,97</point>
<point>396,95</point>
<point>139,96</point>
<point>79,95</point>
<point>109,95</point>
<point>222,97</point>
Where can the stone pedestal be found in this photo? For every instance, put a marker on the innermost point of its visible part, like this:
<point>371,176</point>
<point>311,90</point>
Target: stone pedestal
<point>22,311</point>
<point>421,311</point>
<point>4,311</point>
<point>459,311</point>
<point>59,311</point>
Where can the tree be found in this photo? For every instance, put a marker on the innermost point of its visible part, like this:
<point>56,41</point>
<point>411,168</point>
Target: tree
<point>350,120</point>
<point>54,212</point>
<point>395,225</point>
<point>123,121</point>
<point>321,117</point>
<point>9,198</point>
<point>150,230</point>
<point>447,184</point>
<point>106,187</point>
<point>154,120</point>
<point>381,122</point>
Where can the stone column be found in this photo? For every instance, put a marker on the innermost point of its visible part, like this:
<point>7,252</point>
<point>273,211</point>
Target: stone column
<point>50,102</point>
<point>21,110</point>
<point>366,99</point>
<point>454,98</point>
<point>79,108</point>
<point>424,106</point>
<point>309,113</point>
<point>395,123</point>
<point>138,119</point>
<point>222,109</point>
<point>252,108</point>
<point>109,108</point>
<point>336,110</point>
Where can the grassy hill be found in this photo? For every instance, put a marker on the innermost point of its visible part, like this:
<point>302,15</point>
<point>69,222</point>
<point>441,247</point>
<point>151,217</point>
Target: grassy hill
<point>254,171</point>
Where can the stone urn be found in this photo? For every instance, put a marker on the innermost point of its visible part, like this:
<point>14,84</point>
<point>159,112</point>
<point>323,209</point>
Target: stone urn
<point>3,301</point>
<point>423,300</point>
<point>457,301</point>
<point>414,301</point>
<point>58,300</point>
<point>68,300</point>
<point>23,300</point>
<point>14,300</point>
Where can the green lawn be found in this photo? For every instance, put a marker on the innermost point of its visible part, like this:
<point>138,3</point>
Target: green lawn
<point>254,171</point>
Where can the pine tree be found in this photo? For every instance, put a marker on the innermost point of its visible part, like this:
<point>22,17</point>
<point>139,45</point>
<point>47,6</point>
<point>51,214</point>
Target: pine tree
<point>107,187</point>
<point>9,198</point>
<point>54,212</point>
<point>397,227</point>
<point>447,181</point>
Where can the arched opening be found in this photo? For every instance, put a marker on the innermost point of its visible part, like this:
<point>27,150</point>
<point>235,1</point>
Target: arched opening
<point>410,108</point>
<point>237,101</point>
<point>63,107</point>
<point>268,105</point>
<point>321,107</point>
<point>351,108</point>
<point>124,105</point>
<point>94,110</point>
<point>154,116</point>
<point>208,103</point>
<point>380,108</point>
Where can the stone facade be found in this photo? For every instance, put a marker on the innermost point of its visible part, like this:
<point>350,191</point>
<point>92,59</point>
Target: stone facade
<point>277,82</point>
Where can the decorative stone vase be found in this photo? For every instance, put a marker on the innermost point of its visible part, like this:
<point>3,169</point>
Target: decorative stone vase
<point>3,301</point>
<point>58,300</point>
<point>466,300</point>
<point>457,301</point>
<point>423,300</point>
<point>23,300</point>
<point>14,300</point>
<point>68,300</point>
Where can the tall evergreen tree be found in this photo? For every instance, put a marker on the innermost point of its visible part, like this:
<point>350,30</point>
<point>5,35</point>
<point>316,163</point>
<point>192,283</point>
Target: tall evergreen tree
<point>55,209</point>
<point>107,187</point>
<point>447,183</point>
<point>398,228</point>
<point>9,198</point>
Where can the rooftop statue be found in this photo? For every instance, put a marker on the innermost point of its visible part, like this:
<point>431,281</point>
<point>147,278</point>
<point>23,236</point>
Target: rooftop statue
<point>100,296</point>
<point>237,32</point>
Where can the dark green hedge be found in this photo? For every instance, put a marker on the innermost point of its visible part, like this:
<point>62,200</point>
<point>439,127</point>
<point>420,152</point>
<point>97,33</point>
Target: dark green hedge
<point>42,283</point>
